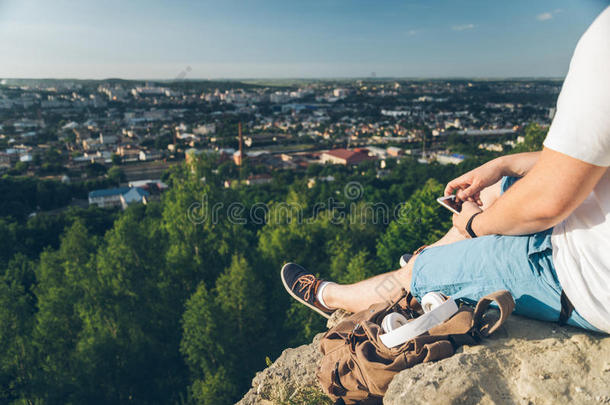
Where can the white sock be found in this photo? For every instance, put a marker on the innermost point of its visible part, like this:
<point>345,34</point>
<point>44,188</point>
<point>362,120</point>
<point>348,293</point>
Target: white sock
<point>319,297</point>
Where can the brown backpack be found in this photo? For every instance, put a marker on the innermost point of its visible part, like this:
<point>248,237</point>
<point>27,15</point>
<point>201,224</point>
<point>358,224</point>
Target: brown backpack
<point>357,367</point>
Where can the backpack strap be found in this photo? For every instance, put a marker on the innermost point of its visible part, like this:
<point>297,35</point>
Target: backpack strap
<point>506,304</point>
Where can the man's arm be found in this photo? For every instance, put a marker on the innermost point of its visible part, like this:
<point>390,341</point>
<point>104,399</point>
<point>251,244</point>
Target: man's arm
<point>469,185</point>
<point>518,165</point>
<point>550,191</point>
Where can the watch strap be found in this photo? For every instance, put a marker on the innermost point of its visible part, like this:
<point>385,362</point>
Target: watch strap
<point>469,225</point>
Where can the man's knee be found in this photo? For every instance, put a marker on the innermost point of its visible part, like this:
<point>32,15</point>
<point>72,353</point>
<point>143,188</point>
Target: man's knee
<point>404,274</point>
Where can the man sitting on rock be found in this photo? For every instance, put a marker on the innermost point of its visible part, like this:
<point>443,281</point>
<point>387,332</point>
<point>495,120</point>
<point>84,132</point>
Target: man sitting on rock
<point>536,224</point>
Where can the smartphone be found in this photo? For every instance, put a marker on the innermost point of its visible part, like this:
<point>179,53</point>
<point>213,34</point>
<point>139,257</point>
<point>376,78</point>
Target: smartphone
<point>450,203</point>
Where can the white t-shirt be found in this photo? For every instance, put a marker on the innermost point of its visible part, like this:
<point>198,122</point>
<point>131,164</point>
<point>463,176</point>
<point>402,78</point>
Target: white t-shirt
<point>581,129</point>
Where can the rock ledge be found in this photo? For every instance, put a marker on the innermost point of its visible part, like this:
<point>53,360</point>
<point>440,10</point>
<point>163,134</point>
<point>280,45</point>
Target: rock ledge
<point>526,362</point>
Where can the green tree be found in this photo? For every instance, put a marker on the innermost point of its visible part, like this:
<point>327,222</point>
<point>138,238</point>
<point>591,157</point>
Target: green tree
<point>216,388</point>
<point>58,324</point>
<point>241,300</point>
<point>534,137</point>
<point>16,352</point>
<point>218,331</point>
<point>131,330</point>
<point>95,169</point>
<point>203,349</point>
<point>421,221</point>
<point>201,237</point>
<point>116,175</point>
<point>360,267</point>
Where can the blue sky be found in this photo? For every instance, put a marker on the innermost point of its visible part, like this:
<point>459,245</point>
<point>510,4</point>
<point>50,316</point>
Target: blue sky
<point>290,38</point>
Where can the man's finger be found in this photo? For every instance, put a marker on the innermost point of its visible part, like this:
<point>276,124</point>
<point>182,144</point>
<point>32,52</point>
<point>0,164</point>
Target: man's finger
<point>449,188</point>
<point>470,191</point>
<point>461,195</point>
<point>456,184</point>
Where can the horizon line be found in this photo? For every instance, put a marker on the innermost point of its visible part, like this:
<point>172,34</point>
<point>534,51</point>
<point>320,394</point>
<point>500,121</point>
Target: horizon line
<point>320,78</point>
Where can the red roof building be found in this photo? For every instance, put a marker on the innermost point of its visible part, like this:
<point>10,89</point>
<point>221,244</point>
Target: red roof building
<point>345,156</point>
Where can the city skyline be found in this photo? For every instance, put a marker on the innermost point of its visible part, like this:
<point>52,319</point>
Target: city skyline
<point>277,40</point>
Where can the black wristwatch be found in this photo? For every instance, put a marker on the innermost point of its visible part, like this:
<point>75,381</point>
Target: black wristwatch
<point>469,225</point>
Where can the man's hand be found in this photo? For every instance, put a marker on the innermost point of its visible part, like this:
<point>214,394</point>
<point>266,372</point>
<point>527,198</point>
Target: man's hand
<point>469,185</point>
<point>460,220</point>
<point>545,196</point>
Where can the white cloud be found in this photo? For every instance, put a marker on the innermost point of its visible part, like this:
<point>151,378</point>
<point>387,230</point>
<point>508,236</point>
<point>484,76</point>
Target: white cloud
<point>412,33</point>
<point>544,16</point>
<point>548,15</point>
<point>462,27</point>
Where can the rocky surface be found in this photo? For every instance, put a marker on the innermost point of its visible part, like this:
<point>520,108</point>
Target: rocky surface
<point>526,362</point>
<point>294,371</point>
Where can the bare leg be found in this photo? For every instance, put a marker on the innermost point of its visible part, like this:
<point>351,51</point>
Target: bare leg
<point>358,296</point>
<point>381,288</point>
<point>388,286</point>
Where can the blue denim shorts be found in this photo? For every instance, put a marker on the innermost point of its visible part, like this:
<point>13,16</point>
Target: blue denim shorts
<point>473,268</point>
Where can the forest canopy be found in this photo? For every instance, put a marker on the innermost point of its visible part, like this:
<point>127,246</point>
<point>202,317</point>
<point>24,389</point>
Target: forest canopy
<point>173,302</point>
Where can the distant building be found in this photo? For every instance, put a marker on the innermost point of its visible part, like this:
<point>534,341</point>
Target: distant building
<point>446,159</point>
<point>118,197</point>
<point>205,129</point>
<point>128,153</point>
<point>254,157</point>
<point>5,161</point>
<point>279,97</point>
<point>154,187</point>
<point>27,157</point>
<point>147,155</point>
<point>91,144</point>
<point>150,90</point>
<point>108,139</point>
<point>340,93</point>
<point>395,113</point>
<point>237,158</point>
<point>492,147</point>
<point>345,156</point>
<point>110,197</point>
<point>102,157</point>
<point>134,195</point>
<point>394,151</point>
<point>258,179</point>
<point>70,125</point>
<point>378,152</point>
<point>487,132</point>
